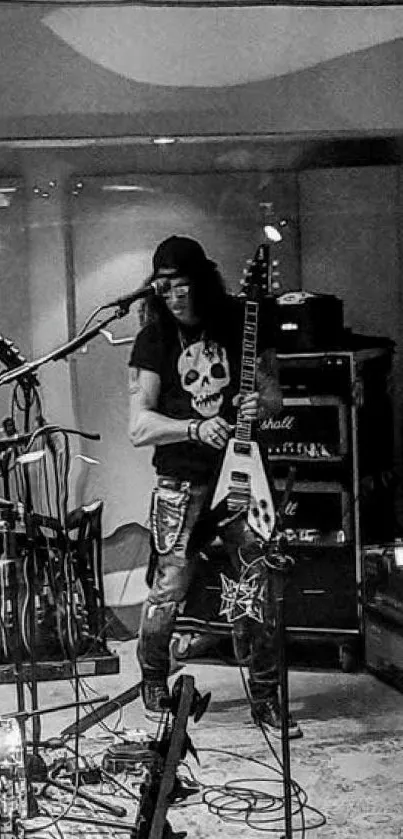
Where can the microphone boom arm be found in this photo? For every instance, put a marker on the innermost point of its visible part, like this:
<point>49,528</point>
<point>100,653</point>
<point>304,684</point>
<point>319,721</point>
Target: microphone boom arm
<point>63,351</point>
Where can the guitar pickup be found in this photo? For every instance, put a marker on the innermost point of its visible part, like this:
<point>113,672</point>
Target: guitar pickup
<point>242,448</point>
<point>240,477</point>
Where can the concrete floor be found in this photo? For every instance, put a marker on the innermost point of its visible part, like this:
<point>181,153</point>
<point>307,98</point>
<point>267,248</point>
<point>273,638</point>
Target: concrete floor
<point>349,761</point>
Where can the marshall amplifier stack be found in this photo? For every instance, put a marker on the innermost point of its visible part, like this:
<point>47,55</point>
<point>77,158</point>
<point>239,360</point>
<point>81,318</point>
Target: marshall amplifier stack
<point>336,430</point>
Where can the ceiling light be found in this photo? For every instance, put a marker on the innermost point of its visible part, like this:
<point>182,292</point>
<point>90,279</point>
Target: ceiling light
<point>164,141</point>
<point>124,188</point>
<point>272,232</point>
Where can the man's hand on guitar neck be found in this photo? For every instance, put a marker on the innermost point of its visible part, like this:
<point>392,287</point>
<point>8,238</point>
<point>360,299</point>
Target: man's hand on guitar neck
<point>247,405</point>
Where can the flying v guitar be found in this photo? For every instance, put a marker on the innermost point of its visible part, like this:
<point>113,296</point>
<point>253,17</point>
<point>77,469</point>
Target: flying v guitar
<point>242,482</point>
<point>242,486</point>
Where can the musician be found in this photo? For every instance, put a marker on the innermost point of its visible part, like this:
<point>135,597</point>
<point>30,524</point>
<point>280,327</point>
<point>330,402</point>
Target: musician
<point>184,376</point>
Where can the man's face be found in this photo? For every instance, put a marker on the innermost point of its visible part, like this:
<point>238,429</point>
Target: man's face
<point>177,293</point>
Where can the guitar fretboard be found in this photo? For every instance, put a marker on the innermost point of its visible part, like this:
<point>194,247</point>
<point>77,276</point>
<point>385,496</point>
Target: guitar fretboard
<point>243,429</point>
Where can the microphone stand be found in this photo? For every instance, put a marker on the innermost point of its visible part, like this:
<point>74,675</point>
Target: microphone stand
<point>280,564</point>
<point>69,347</point>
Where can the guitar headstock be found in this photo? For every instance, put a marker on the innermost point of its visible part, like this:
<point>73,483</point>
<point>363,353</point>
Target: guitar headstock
<point>256,280</point>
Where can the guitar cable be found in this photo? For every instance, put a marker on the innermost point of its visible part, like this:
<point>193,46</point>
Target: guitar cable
<point>299,794</point>
<point>239,802</point>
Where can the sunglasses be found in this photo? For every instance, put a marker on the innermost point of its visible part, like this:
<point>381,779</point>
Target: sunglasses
<point>179,291</point>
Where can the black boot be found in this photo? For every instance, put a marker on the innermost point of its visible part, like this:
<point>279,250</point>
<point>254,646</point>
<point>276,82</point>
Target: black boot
<point>268,714</point>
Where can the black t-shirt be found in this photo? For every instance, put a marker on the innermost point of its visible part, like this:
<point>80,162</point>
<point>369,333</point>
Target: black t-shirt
<point>199,379</point>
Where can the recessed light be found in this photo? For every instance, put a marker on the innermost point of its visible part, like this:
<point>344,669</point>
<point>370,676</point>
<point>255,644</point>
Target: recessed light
<point>164,141</point>
<point>124,188</point>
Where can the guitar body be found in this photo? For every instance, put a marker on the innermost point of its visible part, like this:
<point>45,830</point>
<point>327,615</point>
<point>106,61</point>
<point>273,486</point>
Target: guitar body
<point>158,789</point>
<point>52,602</point>
<point>244,487</point>
<point>71,608</point>
<point>38,622</point>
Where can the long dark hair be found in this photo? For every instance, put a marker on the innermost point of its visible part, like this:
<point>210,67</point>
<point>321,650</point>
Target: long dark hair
<point>212,304</point>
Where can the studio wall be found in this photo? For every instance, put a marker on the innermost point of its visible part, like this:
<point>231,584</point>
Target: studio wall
<point>116,225</point>
<point>351,246</point>
<point>15,309</point>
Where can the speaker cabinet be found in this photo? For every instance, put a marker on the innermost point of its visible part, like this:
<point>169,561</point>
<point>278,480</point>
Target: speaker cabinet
<point>336,430</point>
<point>383,643</point>
<point>321,591</point>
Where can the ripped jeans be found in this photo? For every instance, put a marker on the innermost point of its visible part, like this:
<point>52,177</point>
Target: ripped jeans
<point>175,508</point>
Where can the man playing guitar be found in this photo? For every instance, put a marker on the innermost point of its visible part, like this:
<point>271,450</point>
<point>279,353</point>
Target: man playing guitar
<point>192,384</point>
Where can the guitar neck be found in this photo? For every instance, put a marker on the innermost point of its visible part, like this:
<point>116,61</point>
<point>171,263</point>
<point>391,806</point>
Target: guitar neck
<point>243,428</point>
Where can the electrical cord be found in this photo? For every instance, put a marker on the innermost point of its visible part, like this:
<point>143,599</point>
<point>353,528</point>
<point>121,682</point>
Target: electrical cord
<point>233,803</point>
<point>239,802</point>
<point>85,689</point>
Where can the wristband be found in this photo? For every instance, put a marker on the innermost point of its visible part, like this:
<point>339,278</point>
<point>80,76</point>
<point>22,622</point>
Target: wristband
<point>193,430</point>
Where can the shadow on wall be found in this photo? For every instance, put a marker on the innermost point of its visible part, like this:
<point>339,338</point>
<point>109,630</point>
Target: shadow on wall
<point>125,559</point>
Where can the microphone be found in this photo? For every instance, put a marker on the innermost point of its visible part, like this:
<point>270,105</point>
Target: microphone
<point>126,300</point>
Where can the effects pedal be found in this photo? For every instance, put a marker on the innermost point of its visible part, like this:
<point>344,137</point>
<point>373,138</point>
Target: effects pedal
<point>133,755</point>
